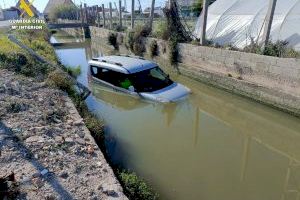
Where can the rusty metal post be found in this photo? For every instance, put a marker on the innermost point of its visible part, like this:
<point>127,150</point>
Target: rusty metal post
<point>132,14</point>
<point>120,14</point>
<point>103,15</point>
<point>110,16</point>
<point>268,23</point>
<point>204,22</point>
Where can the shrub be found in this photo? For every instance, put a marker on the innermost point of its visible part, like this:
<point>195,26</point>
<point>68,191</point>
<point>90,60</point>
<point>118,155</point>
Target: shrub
<point>60,80</point>
<point>95,126</point>
<point>173,50</point>
<point>135,187</point>
<point>112,40</point>
<point>129,39</point>
<point>73,71</point>
<point>153,48</point>
<point>161,31</point>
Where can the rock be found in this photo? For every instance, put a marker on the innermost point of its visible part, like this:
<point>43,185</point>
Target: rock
<point>78,122</point>
<point>80,141</point>
<point>69,140</point>
<point>35,139</point>
<point>58,139</point>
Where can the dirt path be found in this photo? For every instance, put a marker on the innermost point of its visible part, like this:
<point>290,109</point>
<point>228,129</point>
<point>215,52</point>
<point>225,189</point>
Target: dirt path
<point>45,143</point>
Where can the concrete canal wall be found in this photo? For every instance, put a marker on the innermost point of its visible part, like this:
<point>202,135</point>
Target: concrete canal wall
<point>270,80</point>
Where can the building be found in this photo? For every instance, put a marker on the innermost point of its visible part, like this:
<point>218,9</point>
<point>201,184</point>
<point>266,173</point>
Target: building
<point>11,13</point>
<point>158,11</point>
<point>54,3</point>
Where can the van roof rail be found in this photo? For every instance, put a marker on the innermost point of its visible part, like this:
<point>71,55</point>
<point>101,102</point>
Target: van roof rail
<point>106,61</point>
<point>132,56</point>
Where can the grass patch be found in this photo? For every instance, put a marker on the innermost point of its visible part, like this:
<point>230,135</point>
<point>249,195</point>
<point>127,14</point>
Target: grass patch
<point>59,79</point>
<point>153,48</point>
<point>73,71</point>
<point>112,40</point>
<point>135,187</point>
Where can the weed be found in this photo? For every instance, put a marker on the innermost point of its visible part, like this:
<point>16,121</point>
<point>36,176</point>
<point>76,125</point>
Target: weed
<point>161,31</point>
<point>60,80</point>
<point>112,40</point>
<point>73,71</point>
<point>153,48</point>
<point>173,50</point>
<point>135,187</point>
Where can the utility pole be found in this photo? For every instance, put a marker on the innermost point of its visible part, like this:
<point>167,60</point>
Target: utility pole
<point>132,14</point>
<point>204,22</point>
<point>268,23</point>
<point>152,14</point>
<point>110,16</point>
<point>120,13</point>
<point>103,15</point>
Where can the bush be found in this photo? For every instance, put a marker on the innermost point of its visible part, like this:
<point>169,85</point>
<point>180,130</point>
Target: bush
<point>135,187</point>
<point>73,71</point>
<point>112,40</point>
<point>173,50</point>
<point>135,39</point>
<point>161,31</point>
<point>60,80</point>
<point>153,48</point>
<point>129,39</point>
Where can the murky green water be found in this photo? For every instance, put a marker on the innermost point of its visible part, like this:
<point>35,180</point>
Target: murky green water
<point>213,146</point>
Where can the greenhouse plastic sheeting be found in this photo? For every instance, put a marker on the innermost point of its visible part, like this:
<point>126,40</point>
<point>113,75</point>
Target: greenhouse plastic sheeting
<point>238,22</point>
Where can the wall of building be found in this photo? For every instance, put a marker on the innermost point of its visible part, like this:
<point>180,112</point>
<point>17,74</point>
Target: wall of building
<point>270,80</point>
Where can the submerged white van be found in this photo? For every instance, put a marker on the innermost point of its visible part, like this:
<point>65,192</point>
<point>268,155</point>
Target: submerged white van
<point>137,77</point>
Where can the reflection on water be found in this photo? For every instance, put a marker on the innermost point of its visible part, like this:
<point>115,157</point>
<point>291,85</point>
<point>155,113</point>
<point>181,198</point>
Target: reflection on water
<point>212,146</point>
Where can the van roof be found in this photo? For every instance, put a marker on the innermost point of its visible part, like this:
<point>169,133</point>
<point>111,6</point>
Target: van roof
<point>123,64</point>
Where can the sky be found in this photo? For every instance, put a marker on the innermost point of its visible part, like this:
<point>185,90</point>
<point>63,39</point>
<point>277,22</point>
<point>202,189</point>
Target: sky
<point>41,4</point>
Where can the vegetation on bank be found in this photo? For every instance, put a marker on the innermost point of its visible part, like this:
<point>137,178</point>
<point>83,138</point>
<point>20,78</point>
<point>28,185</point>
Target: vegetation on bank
<point>13,58</point>
<point>69,12</point>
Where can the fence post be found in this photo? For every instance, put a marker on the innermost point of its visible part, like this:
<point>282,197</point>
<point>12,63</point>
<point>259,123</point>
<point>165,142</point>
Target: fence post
<point>81,14</point>
<point>268,23</point>
<point>204,22</point>
<point>120,13</point>
<point>152,14</point>
<point>132,14</point>
<point>103,15</point>
<point>110,15</point>
<point>85,13</point>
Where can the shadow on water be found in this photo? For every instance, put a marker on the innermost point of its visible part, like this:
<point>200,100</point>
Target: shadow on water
<point>213,145</point>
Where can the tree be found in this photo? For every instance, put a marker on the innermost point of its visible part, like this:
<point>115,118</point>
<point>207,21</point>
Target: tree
<point>197,7</point>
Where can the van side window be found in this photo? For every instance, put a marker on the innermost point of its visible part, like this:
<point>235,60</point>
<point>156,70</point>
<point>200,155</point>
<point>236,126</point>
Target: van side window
<point>115,78</point>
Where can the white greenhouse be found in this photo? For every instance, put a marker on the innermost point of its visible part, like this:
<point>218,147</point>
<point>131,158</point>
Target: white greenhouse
<point>237,22</point>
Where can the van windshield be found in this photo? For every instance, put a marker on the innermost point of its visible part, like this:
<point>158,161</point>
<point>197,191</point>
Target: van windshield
<point>150,80</point>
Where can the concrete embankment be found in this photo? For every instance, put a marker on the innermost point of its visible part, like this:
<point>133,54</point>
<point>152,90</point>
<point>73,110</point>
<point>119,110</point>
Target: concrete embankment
<point>46,145</point>
<point>269,80</point>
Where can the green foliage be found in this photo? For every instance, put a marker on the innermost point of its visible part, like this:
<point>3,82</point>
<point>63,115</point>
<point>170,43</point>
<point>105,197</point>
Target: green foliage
<point>60,80</point>
<point>277,49</point>
<point>197,7</point>
<point>73,71</point>
<point>135,187</point>
<point>153,48</point>
<point>135,39</point>
<point>129,39</point>
<point>173,50</point>
<point>63,12</point>
<point>161,30</point>
<point>112,40</point>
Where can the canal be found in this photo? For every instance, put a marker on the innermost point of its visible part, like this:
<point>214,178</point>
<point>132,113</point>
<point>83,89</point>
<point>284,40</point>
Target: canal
<point>212,146</point>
